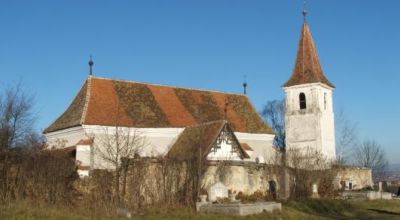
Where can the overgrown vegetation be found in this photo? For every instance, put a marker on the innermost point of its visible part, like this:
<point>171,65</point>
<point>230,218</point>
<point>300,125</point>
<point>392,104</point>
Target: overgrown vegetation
<point>26,171</point>
<point>304,209</point>
<point>308,167</point>
<point>40,176</point>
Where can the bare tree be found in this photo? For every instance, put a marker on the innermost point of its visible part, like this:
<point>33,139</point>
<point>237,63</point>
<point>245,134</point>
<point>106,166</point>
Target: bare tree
<point>308,167</point>
<point>16,132</point>
<point>346,137</point>
<point>115,146</point>
<point>371,154</point>
<point>274,113</point>
<point>16,117</point>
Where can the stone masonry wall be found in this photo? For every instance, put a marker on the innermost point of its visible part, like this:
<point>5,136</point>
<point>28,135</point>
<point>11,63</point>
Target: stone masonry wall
<point>359,177</point>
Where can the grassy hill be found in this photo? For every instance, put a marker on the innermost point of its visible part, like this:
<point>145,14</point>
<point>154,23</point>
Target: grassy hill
<point>306,209</point>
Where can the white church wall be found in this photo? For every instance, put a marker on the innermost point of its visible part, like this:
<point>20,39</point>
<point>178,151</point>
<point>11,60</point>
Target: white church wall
<point>262,145</point>
<point>65,138</point>
<point>98,156</point>
<point>83,155</point>
<point>158,141</point>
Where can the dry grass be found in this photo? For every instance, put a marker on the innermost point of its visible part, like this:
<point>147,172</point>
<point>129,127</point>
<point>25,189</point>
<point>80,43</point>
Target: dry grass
<point>306,209</point>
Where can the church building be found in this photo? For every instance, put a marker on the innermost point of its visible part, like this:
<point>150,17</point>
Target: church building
<point>163,115</point>
<point>178,122</point>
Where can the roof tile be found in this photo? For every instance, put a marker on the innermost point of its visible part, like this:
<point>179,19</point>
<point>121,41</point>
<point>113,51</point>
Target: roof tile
<point>133,104</point>
<point>307,68</point>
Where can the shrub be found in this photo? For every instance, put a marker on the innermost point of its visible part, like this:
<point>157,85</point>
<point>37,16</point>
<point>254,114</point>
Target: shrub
<point>255,197</point>
<point>41,176</point>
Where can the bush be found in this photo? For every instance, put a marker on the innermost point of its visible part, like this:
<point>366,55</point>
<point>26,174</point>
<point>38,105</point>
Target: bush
<point>40,176</point>
<point>97,191</point>
<point>257,196</point>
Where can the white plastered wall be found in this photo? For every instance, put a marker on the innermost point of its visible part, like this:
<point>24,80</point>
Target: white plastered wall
<point>262,145</point>
<point>313,127</point>
<point>65,138</point>
<point>158,142</point>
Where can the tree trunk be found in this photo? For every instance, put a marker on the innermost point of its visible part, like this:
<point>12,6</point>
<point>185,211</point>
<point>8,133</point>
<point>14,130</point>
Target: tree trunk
<point>124,178</point>
<point>117,187</point>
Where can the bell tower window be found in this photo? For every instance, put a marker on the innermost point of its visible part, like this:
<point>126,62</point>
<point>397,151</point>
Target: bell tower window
<point>303,102</point>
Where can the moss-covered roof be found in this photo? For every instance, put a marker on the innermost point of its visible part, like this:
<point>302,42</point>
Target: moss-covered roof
<point>73,115</point>
<point>110,102</point>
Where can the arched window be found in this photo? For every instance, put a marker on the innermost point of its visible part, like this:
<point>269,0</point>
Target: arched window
<point>303,102</point>
<point>325,100</point>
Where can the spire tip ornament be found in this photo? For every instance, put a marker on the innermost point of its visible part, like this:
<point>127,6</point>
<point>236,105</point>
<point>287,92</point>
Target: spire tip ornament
<point>245,86</point>
<point>91,63</point>
<point>304,9</point>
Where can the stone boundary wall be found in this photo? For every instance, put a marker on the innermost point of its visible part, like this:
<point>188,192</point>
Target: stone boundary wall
<point>151,181</point>
<point>359,177</point>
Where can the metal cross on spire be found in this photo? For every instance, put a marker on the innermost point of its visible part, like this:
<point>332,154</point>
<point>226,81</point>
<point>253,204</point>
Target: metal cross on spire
<point>245,85</point>
<point>91,63</point>
<point>304,9</point>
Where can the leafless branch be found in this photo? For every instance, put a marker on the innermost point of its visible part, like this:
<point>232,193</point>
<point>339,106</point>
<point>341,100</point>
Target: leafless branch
<point>371,154</point>
<point>16,117</point>
<point>346,137</point>
<point>274,113</point>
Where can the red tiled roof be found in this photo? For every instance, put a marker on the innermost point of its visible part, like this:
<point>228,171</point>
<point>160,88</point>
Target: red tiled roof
<point>83,167</point>
<point>246,146</point>
<point>109,102</point>
<point>85,142</point>
<point>307,68</point>
<point>203,136</point>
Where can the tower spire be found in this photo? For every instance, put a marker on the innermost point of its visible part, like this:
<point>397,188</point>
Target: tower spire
<point>307,68</point>
<point>91,63</point>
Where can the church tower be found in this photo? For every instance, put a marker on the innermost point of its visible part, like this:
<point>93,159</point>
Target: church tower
<point>309,103</point>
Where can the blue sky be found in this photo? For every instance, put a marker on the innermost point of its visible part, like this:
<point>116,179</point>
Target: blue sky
<point>207,44</point>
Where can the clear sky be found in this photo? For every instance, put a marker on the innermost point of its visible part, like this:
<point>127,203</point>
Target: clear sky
<point>207,44</point>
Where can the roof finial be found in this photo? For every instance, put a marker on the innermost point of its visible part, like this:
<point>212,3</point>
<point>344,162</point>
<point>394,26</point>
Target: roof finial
<point>226,110</point>
<point>91,63</point>
<point>304,9</point>
<point>245,85</point>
